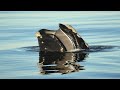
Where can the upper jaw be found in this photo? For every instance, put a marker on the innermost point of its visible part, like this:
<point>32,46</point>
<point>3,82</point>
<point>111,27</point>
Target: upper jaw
<point>66,27</point>
<point>62,26</point>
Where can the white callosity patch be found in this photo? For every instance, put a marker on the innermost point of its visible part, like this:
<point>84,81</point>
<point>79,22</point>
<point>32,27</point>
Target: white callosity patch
<point>37,34</point>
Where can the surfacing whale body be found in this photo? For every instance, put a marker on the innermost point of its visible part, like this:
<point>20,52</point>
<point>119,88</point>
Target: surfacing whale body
<point>65,39</point>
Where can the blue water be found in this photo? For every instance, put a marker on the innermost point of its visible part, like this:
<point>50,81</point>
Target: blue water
<point>19,58</point>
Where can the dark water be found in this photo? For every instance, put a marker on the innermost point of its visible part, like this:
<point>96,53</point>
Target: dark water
<point>19,52</point>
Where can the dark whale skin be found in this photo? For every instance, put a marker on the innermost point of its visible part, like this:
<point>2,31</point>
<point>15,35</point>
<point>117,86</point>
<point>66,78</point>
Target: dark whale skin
<point>49,42</point>
<point>65,39</point>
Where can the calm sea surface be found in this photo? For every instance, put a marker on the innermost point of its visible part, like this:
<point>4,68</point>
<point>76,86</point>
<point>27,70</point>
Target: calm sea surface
<point>18,45</point>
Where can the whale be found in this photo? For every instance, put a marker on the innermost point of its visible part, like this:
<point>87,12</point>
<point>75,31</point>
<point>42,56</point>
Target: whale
<point>65,39</point>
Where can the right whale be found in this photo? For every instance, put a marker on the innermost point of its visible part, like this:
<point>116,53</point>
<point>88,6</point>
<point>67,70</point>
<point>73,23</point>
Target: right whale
<point>65,39</point>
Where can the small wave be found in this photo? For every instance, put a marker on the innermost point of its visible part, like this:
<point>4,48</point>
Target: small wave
<point>93,48</point>
<point>32,48</point>
<point>103,48</point>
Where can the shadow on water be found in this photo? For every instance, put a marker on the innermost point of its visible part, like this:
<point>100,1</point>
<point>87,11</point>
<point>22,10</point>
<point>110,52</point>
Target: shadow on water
<point>54,62</point>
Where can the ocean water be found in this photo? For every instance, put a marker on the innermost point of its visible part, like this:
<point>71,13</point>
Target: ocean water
<point>19,58</point>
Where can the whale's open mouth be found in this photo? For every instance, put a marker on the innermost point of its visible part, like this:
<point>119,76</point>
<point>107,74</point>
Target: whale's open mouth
<point>65,39</point>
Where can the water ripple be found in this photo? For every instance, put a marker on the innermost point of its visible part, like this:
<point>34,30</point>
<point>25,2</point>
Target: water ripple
<point>93,48</point>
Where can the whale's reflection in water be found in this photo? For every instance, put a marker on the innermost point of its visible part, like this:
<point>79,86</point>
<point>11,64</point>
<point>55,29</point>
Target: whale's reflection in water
<point>54,62</point>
